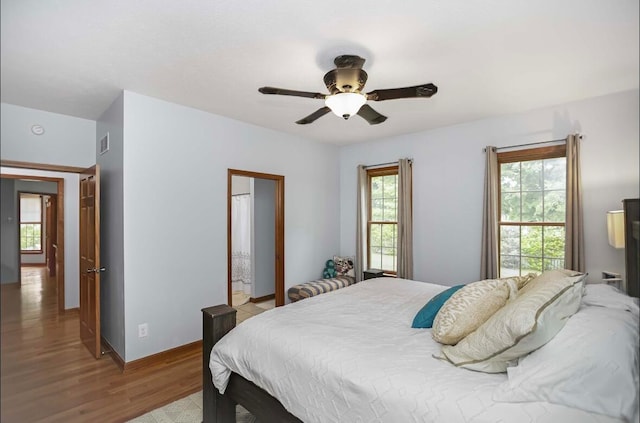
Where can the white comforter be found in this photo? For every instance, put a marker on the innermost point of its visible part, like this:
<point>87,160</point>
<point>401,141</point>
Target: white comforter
<point>352,356</point>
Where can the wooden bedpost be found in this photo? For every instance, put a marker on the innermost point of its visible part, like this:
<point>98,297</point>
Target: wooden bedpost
<point>216,322</point>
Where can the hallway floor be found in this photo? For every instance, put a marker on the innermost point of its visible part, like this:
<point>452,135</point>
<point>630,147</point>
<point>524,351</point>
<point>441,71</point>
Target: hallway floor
<point>46,373</point>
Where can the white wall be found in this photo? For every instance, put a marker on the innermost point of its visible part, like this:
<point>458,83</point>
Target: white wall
<point>71,224</point>
<point>448,173</point>
<point>112,224</point>
<point>264,237</point>
<point>175,212</point>
<point>67,140</point>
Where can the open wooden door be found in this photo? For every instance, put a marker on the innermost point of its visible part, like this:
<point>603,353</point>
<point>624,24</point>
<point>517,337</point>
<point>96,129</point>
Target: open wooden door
<point>90,259</point>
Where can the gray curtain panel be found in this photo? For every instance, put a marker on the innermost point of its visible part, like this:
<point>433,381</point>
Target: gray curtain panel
<point>489,261</point>
<point>362,203</point>
<point>574,234</point>
<point>405,220</point>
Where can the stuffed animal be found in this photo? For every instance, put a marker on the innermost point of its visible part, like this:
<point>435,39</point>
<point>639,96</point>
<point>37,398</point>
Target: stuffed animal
<point>329,269</point>
<point>344,266</point>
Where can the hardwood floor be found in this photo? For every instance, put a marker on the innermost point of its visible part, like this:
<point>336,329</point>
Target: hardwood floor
<point>46,373</point>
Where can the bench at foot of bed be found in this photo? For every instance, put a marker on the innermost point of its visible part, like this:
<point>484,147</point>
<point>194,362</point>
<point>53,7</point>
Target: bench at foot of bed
<point>313,288</point>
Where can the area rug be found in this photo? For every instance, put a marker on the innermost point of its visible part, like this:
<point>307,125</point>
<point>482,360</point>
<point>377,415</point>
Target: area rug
<point>187,410</point>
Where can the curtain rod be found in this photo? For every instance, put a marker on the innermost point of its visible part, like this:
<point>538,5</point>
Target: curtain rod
<point>531,143</point>
<point>384,164</point>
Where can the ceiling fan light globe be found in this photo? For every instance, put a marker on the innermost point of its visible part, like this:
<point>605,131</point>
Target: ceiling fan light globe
<point>345,105</point>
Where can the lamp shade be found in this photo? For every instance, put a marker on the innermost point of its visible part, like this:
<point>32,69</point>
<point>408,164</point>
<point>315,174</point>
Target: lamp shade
<point>615,228</point>
<point>345,105</point>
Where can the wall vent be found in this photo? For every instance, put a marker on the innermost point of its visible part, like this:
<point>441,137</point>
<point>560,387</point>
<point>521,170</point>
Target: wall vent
<point>104,144</point>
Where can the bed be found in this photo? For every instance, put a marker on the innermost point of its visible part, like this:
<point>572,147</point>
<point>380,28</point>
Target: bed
<point>352,356</point>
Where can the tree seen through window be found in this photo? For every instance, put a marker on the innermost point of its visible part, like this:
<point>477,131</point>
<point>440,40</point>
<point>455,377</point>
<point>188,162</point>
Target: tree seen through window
<point>383,220</point>
<point>532,211</point>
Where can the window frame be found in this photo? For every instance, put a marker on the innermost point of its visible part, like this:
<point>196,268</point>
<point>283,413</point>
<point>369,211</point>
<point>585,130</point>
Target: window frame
<point>41,223</point>
<point>373,173</point>
<point>526,155</point>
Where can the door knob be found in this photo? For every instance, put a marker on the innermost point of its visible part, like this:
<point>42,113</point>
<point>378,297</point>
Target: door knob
<point>95,270</point>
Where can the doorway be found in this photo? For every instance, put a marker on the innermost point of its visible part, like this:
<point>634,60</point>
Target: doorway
<point>12,265</point>
<point>247,282</point>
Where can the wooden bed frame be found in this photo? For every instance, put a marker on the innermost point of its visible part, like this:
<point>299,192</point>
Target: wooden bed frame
<point>217,321</point>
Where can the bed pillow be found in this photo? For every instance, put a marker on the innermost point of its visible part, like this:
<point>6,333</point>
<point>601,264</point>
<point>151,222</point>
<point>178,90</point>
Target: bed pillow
<point>424,318</point>
<point>522,325</point>
<point>468,308</point>
<point>522,281</point>
<point>344,266</point>
<point>603,295</point>
<point>590,364</point>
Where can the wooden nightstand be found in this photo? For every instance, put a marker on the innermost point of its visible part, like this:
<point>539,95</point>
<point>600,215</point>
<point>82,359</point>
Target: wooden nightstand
<point>373,273</point>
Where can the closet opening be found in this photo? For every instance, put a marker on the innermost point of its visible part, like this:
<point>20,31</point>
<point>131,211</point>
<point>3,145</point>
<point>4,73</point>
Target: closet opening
<point>255,238</point>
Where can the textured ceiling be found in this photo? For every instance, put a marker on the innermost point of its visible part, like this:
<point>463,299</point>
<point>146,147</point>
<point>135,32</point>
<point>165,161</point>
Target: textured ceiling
<point>487,57</point>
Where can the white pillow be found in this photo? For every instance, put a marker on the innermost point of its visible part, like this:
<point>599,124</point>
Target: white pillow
<point>603,295</point>
<point>591,364</point>
<point>522,325</point>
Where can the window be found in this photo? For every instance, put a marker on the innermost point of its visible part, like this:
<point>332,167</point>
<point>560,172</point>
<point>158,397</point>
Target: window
<point>532,210</point>
<point>382,225</point>
<point>30,223</point>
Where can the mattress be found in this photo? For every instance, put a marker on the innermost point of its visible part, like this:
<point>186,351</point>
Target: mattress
<point>351,356</point>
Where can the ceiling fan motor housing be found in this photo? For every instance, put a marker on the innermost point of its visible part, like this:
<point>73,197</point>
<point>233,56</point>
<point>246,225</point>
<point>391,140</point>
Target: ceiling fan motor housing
<point>344,80</point>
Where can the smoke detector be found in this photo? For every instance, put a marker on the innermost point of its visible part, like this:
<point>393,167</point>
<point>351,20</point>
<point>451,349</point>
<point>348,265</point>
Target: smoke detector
<point>37,129</point>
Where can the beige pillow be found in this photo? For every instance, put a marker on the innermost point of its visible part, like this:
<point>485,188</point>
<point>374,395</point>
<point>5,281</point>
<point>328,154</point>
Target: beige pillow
<point>522,281</point>
<point>522,325</point>
<point>470,307</point>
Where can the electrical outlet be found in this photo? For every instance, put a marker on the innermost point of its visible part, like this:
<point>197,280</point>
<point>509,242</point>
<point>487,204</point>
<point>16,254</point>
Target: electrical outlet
<point>143,330</point>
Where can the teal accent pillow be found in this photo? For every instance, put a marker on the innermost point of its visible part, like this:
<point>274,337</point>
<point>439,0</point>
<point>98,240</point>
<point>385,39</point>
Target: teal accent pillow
<point>424,318</point>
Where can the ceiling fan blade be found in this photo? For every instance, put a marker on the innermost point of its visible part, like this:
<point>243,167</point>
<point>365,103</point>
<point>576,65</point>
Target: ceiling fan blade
<point>313,116</point>
<point>282,91</point>
<point>424,90</point>
<point>370,115</point>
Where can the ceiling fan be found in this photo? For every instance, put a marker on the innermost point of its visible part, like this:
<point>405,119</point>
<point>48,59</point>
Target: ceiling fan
<point>345,84</point>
